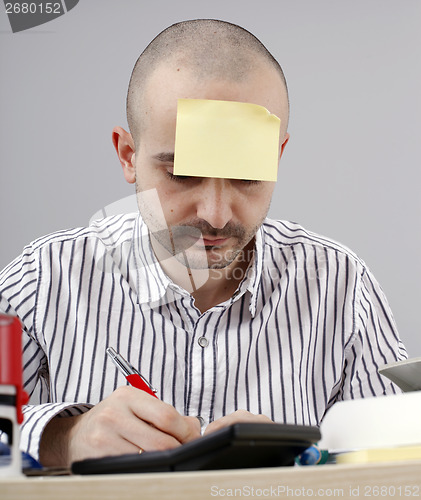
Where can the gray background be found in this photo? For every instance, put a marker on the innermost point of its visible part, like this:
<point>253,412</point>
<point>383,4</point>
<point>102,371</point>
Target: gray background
<point>350,171</point>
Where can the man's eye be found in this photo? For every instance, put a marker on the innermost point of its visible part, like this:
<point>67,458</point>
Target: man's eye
<point>250,181</point>
<point>177,178</point>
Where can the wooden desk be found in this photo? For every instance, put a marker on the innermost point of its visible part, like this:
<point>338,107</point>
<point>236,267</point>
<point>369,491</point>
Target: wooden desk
<point>382,480</point>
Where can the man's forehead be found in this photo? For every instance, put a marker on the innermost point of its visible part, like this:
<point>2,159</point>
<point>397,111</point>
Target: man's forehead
<point>221,129</point>
<point>177,80</point>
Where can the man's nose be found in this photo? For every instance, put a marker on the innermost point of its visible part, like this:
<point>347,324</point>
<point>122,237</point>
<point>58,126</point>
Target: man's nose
<point>214,203</point>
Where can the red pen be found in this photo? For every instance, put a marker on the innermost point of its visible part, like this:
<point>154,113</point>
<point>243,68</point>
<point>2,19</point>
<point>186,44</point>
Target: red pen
<point>133,377</point>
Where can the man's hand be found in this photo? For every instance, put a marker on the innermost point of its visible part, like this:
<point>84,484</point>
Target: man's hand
<point>125,422</point>
<point>234,418</point>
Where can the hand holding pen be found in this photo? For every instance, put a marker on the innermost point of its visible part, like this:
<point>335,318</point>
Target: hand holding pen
<point>135,379</point>
<point>127,421</point>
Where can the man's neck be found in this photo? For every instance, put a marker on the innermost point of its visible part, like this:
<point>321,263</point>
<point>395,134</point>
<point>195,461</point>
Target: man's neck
<point>209,287</point>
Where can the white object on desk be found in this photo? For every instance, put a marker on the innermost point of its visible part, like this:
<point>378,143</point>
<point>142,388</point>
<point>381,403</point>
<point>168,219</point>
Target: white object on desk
<point>406,374</point>
<point>378,422</point>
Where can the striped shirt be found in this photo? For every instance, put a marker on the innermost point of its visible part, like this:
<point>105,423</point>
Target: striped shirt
<point>307,326</point>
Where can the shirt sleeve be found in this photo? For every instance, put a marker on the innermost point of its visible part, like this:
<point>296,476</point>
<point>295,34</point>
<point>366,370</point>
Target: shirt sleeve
<point>375,342</point>
<point>18,297</point>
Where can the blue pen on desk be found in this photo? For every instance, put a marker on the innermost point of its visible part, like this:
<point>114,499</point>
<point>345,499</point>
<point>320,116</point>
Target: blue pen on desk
<point>313,456</point>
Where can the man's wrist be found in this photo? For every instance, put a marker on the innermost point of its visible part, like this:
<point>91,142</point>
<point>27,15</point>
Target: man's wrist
<point>55,439</point>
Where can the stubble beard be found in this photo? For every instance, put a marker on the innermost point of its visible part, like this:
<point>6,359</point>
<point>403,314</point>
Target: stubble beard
<point>180,240</point>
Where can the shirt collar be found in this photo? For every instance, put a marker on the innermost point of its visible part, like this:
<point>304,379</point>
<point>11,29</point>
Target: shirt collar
<point>153,283</point>
<point>251,281</point>
<point>258,270</point>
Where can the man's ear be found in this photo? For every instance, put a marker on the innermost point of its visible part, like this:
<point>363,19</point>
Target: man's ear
<point>283,145</point>
<point>124,145</point>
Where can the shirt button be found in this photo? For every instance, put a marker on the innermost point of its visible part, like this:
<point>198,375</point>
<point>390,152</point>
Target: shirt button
<point>203,341</point>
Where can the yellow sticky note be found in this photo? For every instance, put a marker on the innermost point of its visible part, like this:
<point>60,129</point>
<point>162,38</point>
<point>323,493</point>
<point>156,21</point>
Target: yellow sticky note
<point>226,139</point>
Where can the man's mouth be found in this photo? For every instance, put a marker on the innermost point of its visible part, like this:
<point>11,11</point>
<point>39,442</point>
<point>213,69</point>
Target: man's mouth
<point>212,242</point>
<point>187,236</point>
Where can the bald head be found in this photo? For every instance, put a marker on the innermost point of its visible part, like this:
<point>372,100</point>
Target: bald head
<point>210,50</point>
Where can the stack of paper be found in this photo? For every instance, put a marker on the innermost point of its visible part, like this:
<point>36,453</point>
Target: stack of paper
<point>375,425</point>
<point>397,453</point>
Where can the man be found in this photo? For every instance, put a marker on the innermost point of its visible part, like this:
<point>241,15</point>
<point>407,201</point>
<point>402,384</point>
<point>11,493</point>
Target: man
<point>282,324</point>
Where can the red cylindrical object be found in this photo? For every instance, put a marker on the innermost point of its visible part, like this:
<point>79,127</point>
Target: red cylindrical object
<point>136,381</point>
<point>11,359</point>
